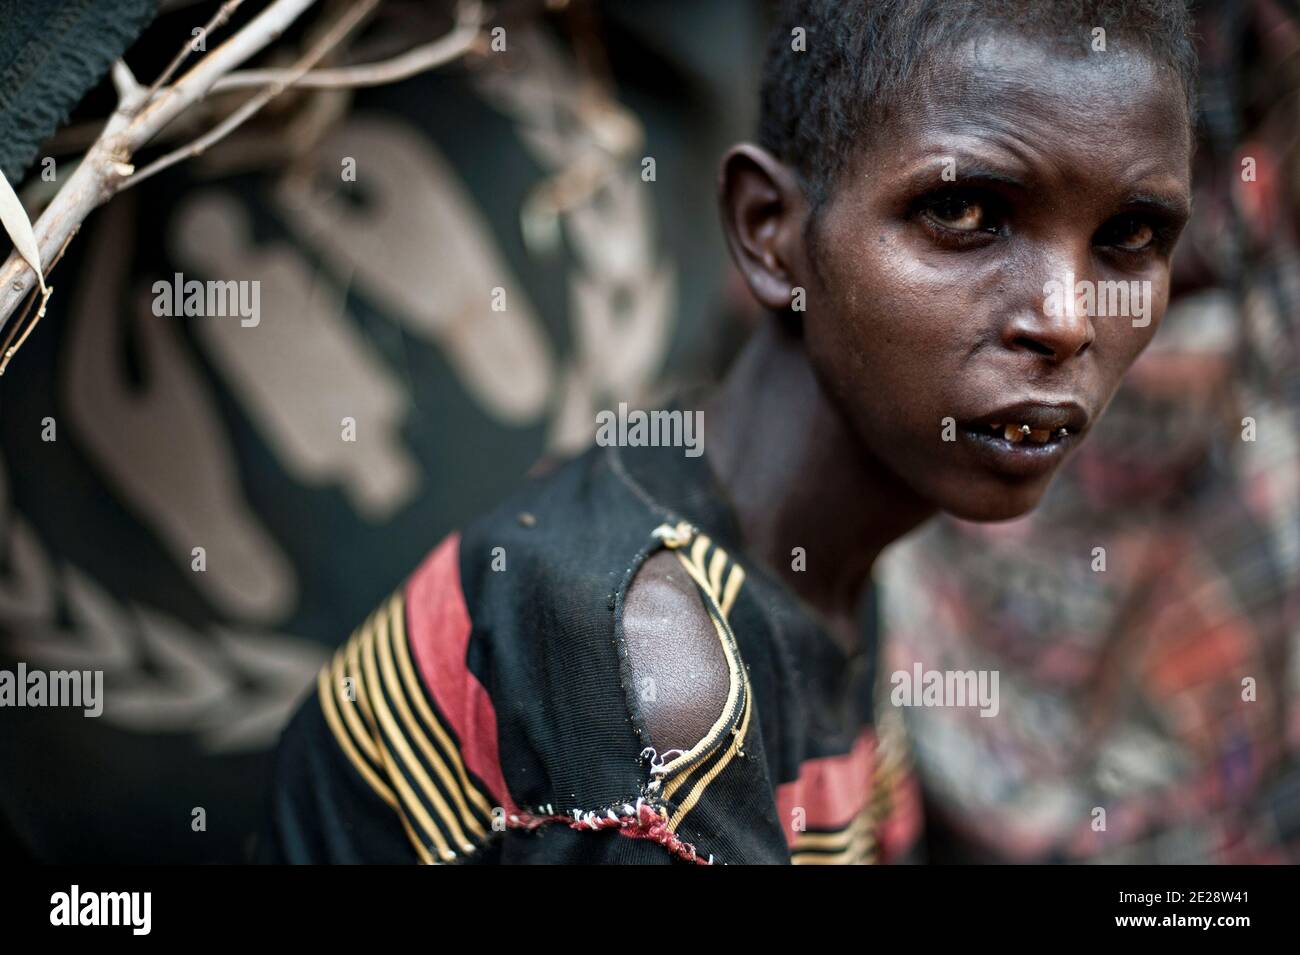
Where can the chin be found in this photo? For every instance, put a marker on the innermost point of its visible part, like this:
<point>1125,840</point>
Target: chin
<point>986,503</point>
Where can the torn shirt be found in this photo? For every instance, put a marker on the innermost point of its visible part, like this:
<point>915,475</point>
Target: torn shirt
<point>485,712</point>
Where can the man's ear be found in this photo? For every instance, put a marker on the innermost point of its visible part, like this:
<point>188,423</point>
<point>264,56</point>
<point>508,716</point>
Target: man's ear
<point>763,214</point>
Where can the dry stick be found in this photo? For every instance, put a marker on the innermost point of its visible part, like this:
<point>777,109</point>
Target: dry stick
<point>352,16</point>
<point>218,20</point>
<point>161,107</point>
<point>132,125</point>
<point>15,328</point>
<point>8,350</point>
<point>40,313</point>
<point>403,66</point>
<point>129,91</point>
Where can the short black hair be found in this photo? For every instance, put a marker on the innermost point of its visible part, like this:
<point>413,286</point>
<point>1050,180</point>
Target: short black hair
<point>860,55</point>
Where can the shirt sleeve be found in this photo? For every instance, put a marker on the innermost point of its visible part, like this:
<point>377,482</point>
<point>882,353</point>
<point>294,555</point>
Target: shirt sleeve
<point>362,777</point>
<point>368,770</point>
<point>394,758</point>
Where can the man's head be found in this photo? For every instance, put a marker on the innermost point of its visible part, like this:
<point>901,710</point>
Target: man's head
<point>928,175</point>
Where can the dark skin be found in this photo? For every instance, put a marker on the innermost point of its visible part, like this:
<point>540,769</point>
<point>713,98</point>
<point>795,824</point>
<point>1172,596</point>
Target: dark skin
<point>925,302</point>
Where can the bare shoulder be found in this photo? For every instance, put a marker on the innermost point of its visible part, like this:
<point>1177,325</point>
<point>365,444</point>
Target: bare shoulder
<point>679,670</point>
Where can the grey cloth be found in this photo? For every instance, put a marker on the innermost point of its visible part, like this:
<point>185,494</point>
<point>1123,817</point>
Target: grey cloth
<point>51,53</point>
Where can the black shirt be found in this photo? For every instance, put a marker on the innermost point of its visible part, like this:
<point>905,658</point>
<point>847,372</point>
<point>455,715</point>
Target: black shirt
<point>486,712</point>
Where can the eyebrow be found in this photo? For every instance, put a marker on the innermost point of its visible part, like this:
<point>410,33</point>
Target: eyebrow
<point>984,173</point>
<point>972,168</point>
<point>976,170</point>
<point>969,169</point>
<point>1174,207</point>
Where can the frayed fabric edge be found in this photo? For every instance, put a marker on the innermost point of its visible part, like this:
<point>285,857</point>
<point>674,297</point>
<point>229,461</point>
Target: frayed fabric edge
<point>639,820</point>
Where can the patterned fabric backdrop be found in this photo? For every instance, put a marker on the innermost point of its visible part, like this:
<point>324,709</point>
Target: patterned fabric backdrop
<point>177,433</point>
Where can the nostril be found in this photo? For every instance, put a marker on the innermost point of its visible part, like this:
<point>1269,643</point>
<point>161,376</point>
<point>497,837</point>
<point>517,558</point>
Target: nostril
<point>1034,345</point>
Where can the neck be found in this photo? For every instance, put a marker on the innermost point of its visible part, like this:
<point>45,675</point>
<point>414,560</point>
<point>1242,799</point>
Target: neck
<point>798,477</point>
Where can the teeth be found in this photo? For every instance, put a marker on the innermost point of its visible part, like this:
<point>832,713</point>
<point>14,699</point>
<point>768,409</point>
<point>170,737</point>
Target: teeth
<point>1016,433</point>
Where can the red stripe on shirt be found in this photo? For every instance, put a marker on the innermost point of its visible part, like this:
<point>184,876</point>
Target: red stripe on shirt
<point>439,627</point>
<point>831,790</point>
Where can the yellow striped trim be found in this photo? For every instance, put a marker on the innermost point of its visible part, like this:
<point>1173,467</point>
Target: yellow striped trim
<point>733,689</point>
<point>736,578</point>
<point>333,697</point>
<point>390,731</point>
<point>698,550</point>
<point>698,790</point>
<point>715,573</point>
<point>735,673</point>
<point>856,855</point>
<point>415,694</point>
<point>328,707</point>
<point>344,667</point>
<point>354,663</point>
<point>855,843</point>
<point>858,841</point>
<point>394,739</point>
<point>721,587</point>
<point>676,783</point>
<point>413,734</point>
<point>862,851</point>
<point>838,839</point>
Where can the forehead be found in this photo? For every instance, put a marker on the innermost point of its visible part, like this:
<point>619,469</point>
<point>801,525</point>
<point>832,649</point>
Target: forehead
<point>1049,112</point>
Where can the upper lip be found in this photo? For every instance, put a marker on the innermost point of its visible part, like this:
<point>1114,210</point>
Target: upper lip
<point>1039,415</point>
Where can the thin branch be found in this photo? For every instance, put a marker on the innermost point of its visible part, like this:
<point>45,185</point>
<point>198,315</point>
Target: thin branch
<point>106,164</point>
<point>345,24</point>
<point>142,115</point>
<point>261,31</point>
<point>40,313</point>
<point>217,21</point>
<point>403,66</point>
<point>427,56</point>
<point>124,81</point>
<point>10,347</point>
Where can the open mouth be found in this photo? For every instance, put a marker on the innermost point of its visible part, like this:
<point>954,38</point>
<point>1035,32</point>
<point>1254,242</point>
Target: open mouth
<point>1017,432</point>
<point>1028,438</point>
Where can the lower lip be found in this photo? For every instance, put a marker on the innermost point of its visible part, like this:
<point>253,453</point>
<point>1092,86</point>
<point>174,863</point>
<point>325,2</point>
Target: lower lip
<point>1021,460</point>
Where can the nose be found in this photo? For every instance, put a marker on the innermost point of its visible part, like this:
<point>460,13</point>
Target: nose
<point>1050,321</point>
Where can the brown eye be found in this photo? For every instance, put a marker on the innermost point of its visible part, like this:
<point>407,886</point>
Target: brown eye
<point>1130,234</point>
<point>1139,237</point>
<point>959,213</point>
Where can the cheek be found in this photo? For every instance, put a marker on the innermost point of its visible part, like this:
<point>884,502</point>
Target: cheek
<point>1122,342</point>
<point>900,321</point>
<point>884,345</point>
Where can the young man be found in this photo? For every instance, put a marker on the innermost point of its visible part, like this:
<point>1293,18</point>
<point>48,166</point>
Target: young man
<point>651,657</point>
